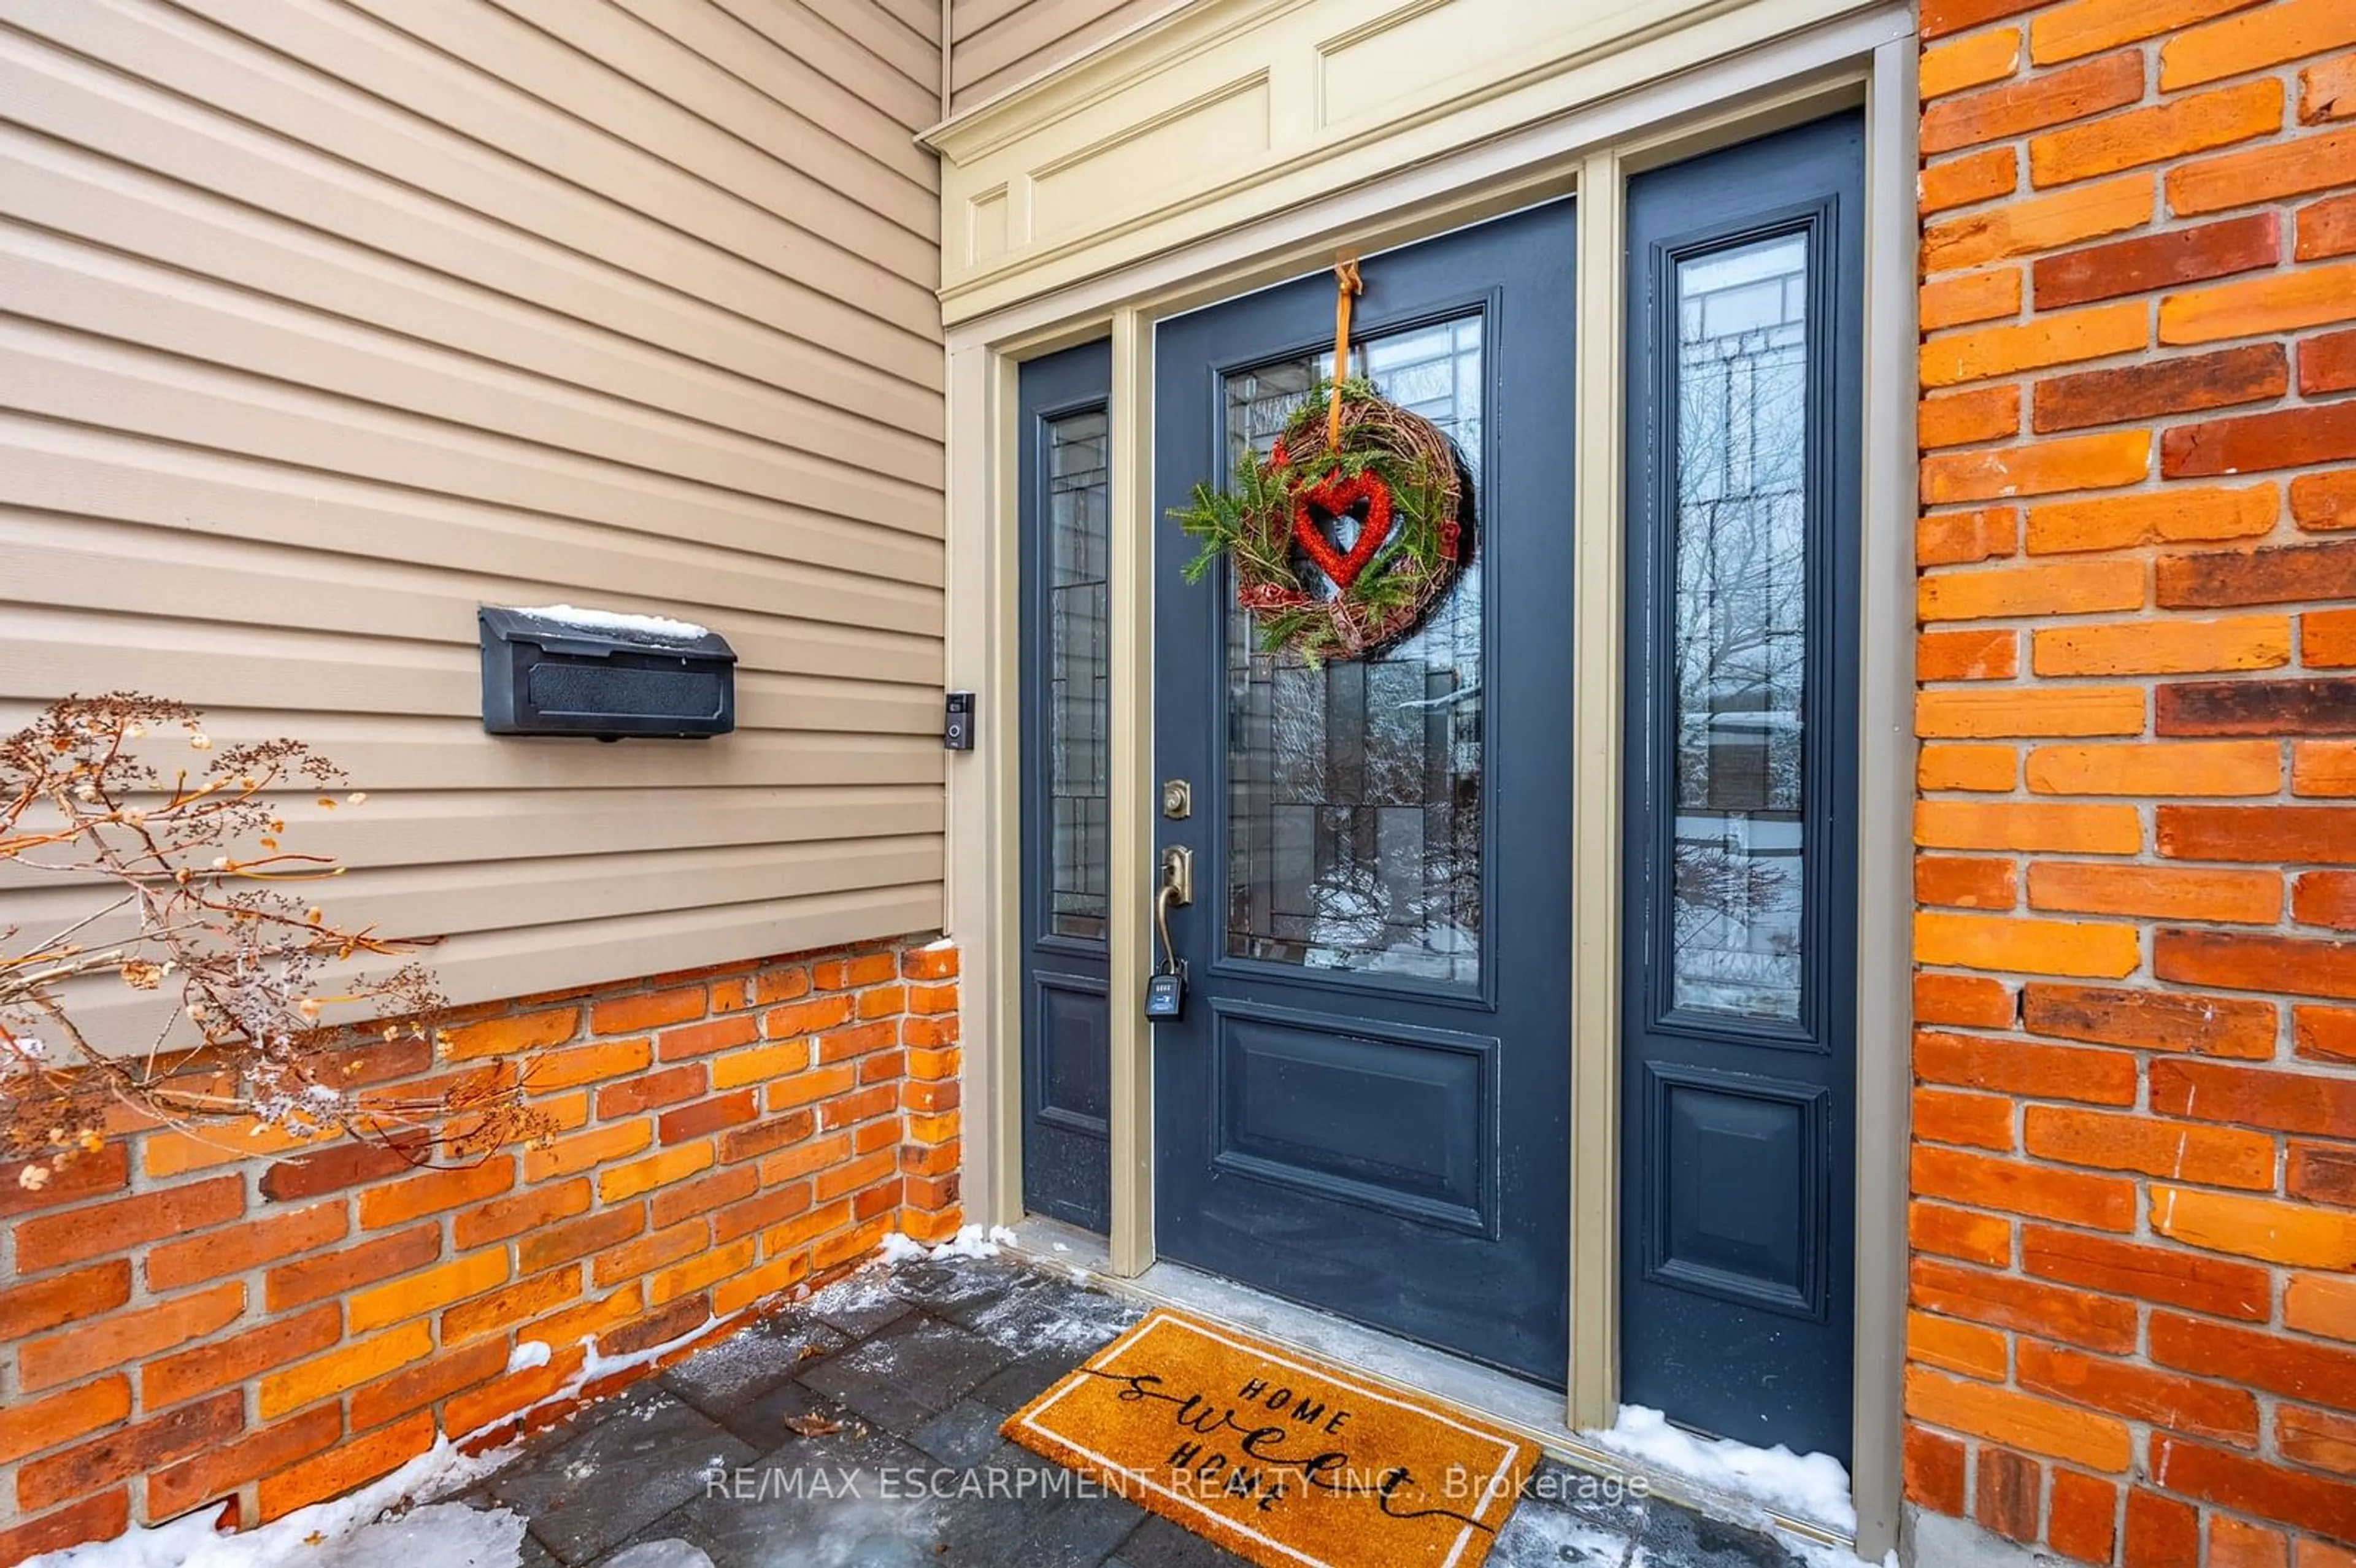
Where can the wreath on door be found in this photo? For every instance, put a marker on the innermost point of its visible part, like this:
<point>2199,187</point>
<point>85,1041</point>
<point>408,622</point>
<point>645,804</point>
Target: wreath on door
<point>1350,530</point>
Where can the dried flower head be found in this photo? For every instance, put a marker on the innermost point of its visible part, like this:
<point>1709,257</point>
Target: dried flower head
<point>182,905</point>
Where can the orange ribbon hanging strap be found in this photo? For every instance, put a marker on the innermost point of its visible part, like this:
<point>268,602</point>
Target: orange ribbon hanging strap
<point>1346,287</point>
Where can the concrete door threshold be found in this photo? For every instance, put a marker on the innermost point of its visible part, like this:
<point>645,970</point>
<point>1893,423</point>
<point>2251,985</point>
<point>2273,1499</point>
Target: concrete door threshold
<point>1526,1409</point>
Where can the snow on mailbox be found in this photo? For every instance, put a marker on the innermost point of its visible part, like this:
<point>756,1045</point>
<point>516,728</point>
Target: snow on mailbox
<point>556,670</point>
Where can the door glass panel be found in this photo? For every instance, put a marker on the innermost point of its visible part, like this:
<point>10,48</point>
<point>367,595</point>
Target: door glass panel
<point>1354,811</point>
<point>1079,829</point>
<point>1738,627</point>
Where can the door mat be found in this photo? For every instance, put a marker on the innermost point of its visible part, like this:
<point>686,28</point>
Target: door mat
<point>1291,1461</point>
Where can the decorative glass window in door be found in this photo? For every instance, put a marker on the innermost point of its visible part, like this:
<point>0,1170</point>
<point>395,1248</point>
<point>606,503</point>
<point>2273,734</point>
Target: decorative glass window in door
<point>1080,829</point>
<point>1354,809</point>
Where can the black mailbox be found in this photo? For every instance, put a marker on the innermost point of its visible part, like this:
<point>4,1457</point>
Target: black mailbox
<point>563,671</point>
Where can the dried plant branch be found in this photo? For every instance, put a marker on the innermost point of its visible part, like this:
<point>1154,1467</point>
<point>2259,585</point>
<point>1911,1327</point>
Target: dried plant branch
<point>191,894</point>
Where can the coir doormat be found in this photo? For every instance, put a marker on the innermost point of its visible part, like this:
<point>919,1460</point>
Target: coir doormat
<point>1292,1461</point>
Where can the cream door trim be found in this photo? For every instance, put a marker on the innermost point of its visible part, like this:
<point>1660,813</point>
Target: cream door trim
<point>1596,753</point>
<point>1859,57</point>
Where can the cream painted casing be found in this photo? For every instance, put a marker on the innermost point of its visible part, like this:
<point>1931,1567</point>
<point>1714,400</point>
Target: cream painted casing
<point>1204,156</point>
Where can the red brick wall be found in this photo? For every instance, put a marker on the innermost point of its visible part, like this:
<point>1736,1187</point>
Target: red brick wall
<point>2133,1324</point>
<point>183,1326</point>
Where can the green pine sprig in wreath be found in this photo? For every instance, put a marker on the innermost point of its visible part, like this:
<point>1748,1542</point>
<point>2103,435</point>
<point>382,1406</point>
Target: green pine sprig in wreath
<point>1250,523</point>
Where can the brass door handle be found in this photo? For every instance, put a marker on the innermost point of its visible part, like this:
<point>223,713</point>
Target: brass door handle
<point>1178,872</point>
<point>1177,888</point>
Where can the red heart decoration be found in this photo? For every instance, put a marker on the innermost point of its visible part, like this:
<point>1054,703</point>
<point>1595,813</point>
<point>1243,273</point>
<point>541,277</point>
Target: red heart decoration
<point>1336,497</point>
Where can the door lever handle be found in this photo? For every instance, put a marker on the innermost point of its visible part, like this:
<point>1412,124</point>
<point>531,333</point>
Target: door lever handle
<point>1165,989</point>
<point>1177,888</point>
<point>1178,873</point>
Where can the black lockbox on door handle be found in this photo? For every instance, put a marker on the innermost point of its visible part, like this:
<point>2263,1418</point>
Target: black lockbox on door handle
<point>561,671</point>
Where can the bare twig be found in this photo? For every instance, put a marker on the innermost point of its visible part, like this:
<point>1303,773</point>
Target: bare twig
<point>196,870</point>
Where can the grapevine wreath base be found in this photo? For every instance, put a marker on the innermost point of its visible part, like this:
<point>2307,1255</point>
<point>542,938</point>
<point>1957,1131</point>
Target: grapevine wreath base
<point>1395,472</point>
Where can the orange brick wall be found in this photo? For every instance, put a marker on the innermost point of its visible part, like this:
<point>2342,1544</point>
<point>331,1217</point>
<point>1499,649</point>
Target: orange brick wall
<point>2133,1326</point>
<point>182,1326</point>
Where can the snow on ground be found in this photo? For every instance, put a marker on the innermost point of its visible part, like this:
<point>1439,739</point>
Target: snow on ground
<point>342,1532</point>
<point>446,1535</point>
<point>1555,1536</point>
<point>1811,1486</point>
<point>349,1532</point>
<point>972,1242</point>
<point>660,1555</point>
<point>900,1249</point>
<point>618,621</point>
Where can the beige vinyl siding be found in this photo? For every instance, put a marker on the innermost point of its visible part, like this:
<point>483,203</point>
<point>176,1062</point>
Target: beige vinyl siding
<point>998,44</point>
<point>322,321</point>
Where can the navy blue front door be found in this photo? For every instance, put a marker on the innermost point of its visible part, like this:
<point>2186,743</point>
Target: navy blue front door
<point>1366,1107</point>
<point>1738,999</point>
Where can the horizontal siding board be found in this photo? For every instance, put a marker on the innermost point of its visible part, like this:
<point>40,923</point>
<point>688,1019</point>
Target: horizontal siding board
<point>399,751</point>
<point>1018,42</point>
<point>327,321</point>
<point>101,383</point>
<point>251,665</point>
<point>87,291</point>
<point>785,120</point>
<point>530,104</point>
<point>209,75</point>
<point>466,828</point>
<point>91,474</point>
<point>410,901</point>
<point>542,57</point>
<point>241,168</point>
<point>922,17</point>
<point>73,562</point>
<point>731,45</point>
<point>796,29</point>
<point>92,200</point>
<point>520,960</point>
<point>880,36</point>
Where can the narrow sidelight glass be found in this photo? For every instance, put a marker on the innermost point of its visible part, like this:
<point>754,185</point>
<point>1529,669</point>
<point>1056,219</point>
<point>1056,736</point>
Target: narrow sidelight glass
<point>1078,662</point>
<point>1739,628</point>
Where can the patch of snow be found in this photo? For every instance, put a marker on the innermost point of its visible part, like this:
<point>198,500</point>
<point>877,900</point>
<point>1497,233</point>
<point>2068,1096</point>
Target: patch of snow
<point>974,1242</point>
<point>855,1531</point>
<point>860,1291</point>
<point>595,1366</point>
<point>1812,1487</point>
<point>300,1537</point>
<point>661,626</point>
<point>896,1248</point>
<point>660,1555</point>
<point>529,1354</point>
<point>448,1535</point>
<point>1555,1536</point>
<point>1817,1554</point>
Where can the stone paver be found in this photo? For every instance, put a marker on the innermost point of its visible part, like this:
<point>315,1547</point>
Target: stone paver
<point>914,1367</point>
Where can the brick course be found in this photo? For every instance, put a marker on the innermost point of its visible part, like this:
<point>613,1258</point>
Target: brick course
<point>183,1325</point>
<point>2132,1325</point>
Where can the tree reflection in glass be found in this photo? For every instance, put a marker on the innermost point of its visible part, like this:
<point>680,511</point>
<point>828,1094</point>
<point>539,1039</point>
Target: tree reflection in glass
<point>1739,628</point>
